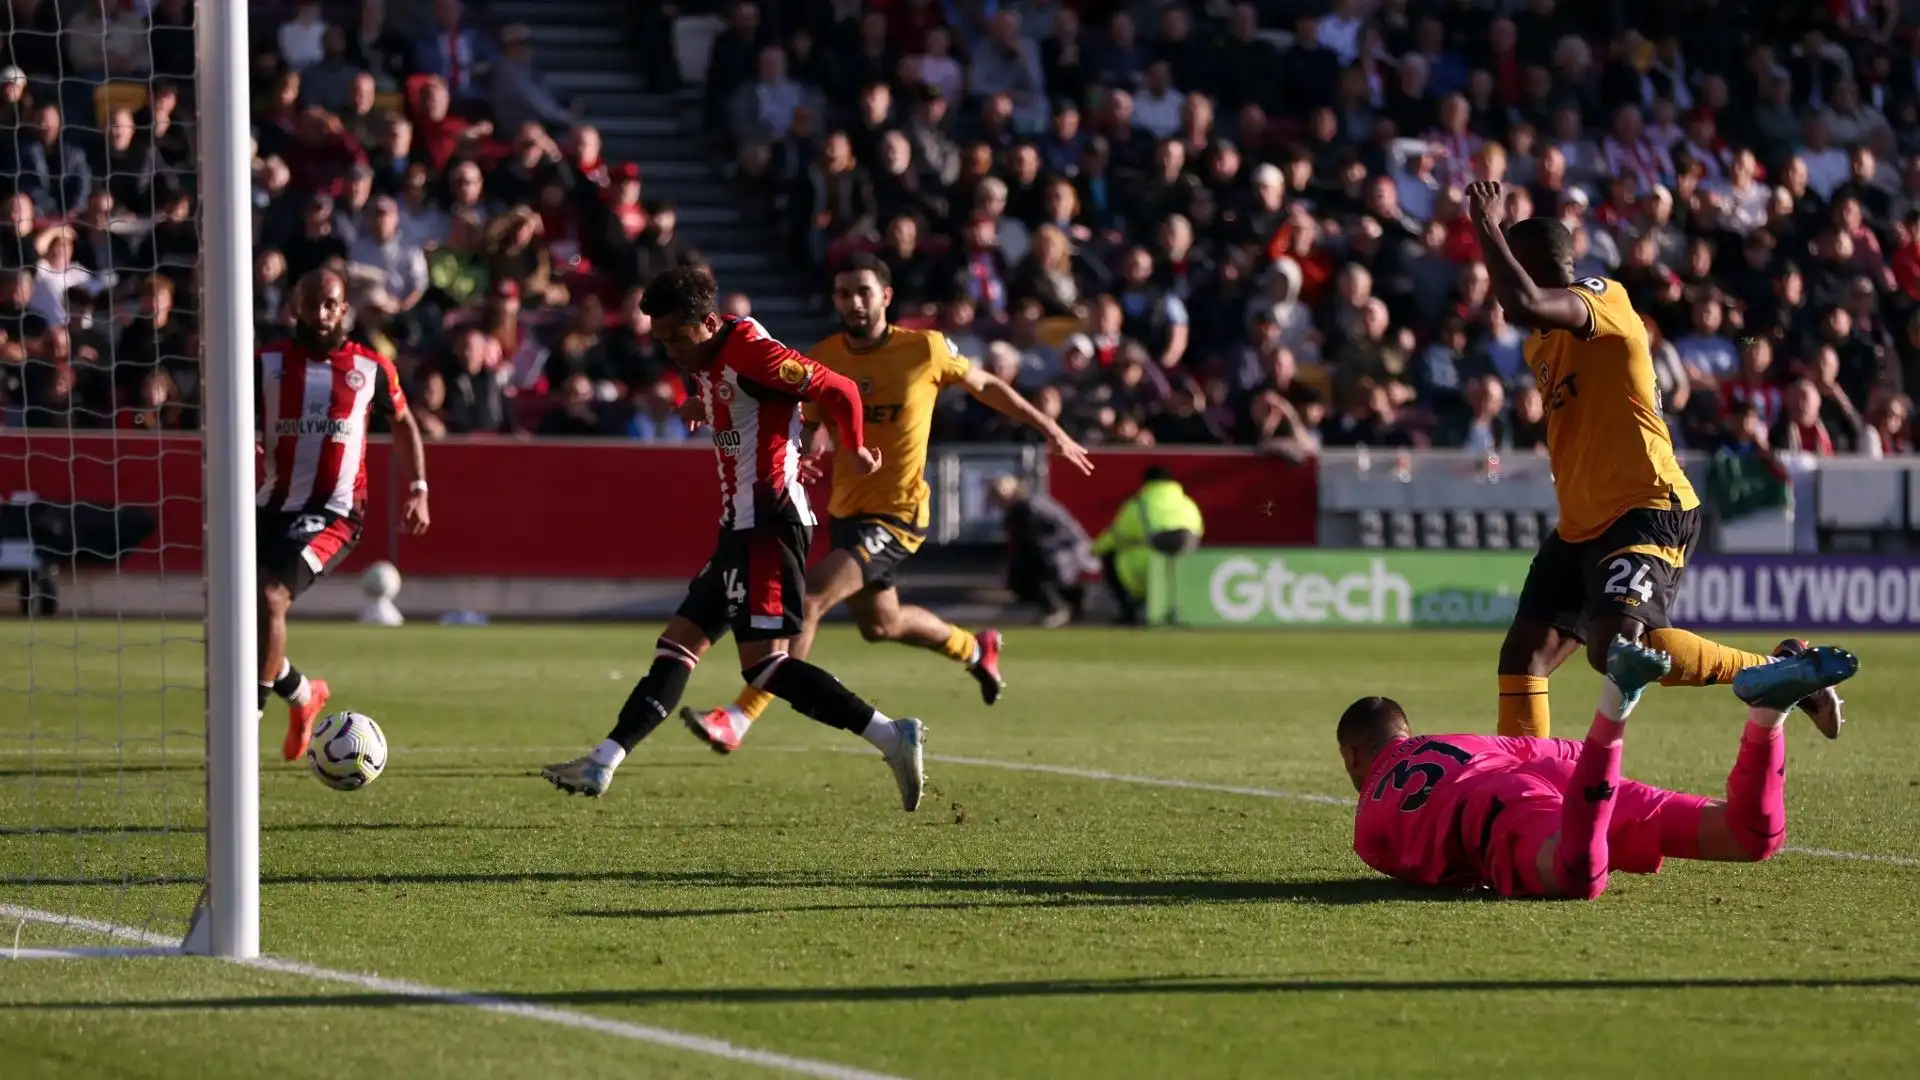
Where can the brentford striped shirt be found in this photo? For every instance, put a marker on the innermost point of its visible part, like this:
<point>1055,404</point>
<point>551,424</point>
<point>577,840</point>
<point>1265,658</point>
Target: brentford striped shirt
<point>752,394</point>
<point>314,413</point>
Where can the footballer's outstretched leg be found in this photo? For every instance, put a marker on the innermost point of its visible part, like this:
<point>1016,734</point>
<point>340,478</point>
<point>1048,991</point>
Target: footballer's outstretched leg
<point>651,701</point>
<point>815,693</point>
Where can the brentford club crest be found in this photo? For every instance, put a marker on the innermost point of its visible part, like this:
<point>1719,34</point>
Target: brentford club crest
<point>723,390</point>
<point>356,380</point>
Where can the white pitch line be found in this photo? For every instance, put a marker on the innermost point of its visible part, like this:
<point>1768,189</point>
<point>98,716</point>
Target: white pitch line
<point>1301,796</point>
<point>622,1029</point>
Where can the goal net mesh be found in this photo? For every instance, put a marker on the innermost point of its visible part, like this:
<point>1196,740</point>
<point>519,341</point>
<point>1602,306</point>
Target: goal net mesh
<point>102,712</point>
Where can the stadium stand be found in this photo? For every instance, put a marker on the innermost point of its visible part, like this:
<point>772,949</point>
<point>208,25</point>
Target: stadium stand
<point>1171,223</point>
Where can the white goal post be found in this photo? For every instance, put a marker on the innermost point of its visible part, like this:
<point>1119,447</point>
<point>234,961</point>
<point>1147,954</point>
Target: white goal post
<point>227,923</point>
<point>102,706</point>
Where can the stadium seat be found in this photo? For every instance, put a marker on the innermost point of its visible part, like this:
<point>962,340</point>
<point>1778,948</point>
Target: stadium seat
<point>1054,332</point>
<point>117,95</point>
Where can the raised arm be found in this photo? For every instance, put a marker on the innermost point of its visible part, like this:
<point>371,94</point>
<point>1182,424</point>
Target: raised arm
<point>1526,302</point>
<point>993,392</point>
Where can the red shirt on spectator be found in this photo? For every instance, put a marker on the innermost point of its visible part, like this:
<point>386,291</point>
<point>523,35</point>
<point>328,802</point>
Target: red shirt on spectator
<point>1906,269</point>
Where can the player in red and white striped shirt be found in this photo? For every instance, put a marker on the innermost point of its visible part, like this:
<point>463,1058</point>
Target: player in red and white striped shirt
<point>318,393</point>
<point>751,388</point>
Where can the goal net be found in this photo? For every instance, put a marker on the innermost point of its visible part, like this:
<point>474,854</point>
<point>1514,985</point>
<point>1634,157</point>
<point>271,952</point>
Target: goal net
<point>104,553</point>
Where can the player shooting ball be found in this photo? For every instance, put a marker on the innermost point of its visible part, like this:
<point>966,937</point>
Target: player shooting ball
<point>1629,518</point>
<point>878,518</point>
<point>751,390</point>
<point>1540,818</point>
<point>318,394</point>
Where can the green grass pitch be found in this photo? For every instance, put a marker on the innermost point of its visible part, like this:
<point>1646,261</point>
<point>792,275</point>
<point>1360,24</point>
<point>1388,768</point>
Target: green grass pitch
<point>1026,923</point>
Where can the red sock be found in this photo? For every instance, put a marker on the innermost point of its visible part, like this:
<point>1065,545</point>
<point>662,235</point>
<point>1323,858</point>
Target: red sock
<point>1757,791</point>
<point>1586,810</point>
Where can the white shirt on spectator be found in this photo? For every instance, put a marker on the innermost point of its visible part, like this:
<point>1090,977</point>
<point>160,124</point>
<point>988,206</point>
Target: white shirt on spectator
<point>1712,356</point>
<point>1646,161</point>
<point>1158,115</point>
<point>1341,34</point>
<point>426,227</point>
<point>403,265</point>
<point>1417,194</point>
<point>117,42</point>
<point>777,104</point>
<point>1826,169</point>
<point>1745,209</point>
<point>50,289</point>
<point>302,41</point>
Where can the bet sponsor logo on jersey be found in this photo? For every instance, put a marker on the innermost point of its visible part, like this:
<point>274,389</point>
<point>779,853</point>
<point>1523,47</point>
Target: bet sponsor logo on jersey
<point>727,442</point>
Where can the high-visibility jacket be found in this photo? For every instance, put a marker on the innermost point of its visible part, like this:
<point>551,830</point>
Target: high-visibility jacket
<point>1159,506</point>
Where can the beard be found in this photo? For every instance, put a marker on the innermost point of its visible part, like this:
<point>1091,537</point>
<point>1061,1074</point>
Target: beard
<point>316,340</point>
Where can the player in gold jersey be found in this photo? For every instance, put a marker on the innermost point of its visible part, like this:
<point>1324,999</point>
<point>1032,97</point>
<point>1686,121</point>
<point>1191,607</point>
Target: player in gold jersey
<point>876,522</point>
<point>1629,519</point>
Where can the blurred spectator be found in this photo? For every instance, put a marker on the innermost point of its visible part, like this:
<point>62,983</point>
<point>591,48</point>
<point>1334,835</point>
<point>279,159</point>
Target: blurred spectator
<point>107,39</point>
<point>519,94</point>
<point>398,266</point>
<point>455,53</point>
<point>1048,552</point>
<point>54,169</point>
<point>303,37</point>
<point>476,402</point>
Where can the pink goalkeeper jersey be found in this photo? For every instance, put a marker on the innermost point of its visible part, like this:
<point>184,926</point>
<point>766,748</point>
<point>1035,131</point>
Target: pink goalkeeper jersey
<point>1417,819</point>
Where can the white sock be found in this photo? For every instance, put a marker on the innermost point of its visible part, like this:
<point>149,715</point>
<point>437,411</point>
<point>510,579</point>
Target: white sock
<point>302,692</point>
<point>608,753</point>
<point>1613,702</point>
<point>881,733</point>
<point>1767,718</point>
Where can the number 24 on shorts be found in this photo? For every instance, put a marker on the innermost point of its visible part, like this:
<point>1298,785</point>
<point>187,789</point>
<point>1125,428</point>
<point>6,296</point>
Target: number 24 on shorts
<point>1629,577</point>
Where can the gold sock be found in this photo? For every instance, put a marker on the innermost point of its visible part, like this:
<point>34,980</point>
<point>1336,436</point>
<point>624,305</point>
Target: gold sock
<point>960,646</point>
<point>752,702</point>
<point>1699,662</point>
<point>1523,706</point>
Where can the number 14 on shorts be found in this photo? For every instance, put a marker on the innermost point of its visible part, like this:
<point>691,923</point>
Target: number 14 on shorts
<point>1630,576</point>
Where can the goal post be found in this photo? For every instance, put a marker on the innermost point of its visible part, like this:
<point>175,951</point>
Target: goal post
<point>227,923</point>
<point>130,766</point>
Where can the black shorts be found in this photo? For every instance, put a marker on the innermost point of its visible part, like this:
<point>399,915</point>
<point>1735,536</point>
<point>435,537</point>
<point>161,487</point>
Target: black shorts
<point>755,584</point>
<point>298,549</point>
<point>874,543</point>
<point>1632,569</point>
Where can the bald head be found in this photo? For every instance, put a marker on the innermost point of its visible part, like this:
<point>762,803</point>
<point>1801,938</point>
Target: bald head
<point>320,309</point>
<point>1367,727</point>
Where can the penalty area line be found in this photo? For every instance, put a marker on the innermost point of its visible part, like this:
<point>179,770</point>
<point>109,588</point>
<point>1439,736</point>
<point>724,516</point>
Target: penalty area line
<point>1301,796</point>
<point>155,944</point>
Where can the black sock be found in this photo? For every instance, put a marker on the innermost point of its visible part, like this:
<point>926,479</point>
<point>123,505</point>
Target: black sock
<point>287,683</point>
<point>266,691</point>
<point>813,692</point>
<point>654,696</point>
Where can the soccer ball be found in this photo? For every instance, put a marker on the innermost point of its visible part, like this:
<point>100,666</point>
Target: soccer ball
<point>348,751</point>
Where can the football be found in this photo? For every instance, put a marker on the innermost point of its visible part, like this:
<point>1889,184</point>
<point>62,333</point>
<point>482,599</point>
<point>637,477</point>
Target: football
<point>348,751</point>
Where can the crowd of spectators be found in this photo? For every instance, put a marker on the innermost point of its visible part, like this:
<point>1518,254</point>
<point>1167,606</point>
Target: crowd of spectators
<point>1186,222</point>
<point>1211,222</point>
<point>490,250</point>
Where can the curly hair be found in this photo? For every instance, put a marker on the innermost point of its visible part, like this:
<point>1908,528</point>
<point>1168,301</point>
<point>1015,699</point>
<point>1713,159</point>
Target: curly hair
<point>684,292</point>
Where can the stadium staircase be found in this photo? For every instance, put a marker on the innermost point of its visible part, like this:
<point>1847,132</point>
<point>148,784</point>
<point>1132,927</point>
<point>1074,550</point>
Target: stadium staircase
<point>585,49</point>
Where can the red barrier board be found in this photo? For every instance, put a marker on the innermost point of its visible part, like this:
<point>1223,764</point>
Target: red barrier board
<point>1248,500</point>
<point>510,508</point>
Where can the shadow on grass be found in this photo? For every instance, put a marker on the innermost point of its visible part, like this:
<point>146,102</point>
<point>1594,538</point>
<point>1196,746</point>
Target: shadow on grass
<point>993,891</point>
<point>290,827</point>
<point>987,991</point>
